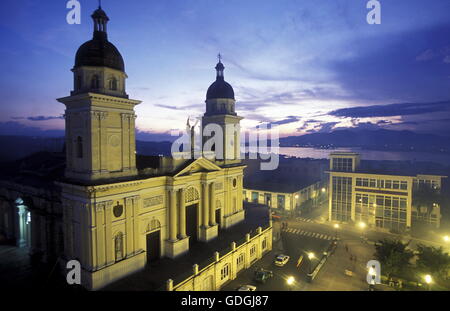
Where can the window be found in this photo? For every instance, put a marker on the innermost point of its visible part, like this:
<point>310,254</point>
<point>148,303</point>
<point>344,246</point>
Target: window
<point>264,244</point>
<point>225,272</point>
<point>79,147</point>
<point>240,260</point>
<point>118,246</point>
<point>113,84</point>
<point>95,82</point>
<point>403,185</point>
<point>253,251</point>
<point>342,164</point>
<point>255,196</point>
<point>280,198</point>
<point>395,184</point>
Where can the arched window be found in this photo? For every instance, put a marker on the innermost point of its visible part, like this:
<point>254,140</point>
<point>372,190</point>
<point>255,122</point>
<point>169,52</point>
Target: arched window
<point>95,82</point>
<point>118,246</point>
<point>113,84</point>
<point>79,147</point>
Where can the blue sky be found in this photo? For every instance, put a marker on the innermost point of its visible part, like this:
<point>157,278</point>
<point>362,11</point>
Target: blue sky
<point>305,66</point>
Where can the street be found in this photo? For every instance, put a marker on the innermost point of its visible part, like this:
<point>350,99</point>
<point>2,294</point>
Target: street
<point>305,236</point>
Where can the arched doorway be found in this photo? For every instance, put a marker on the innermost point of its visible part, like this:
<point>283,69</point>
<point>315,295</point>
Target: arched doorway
<point>153,237</point>
<point>192,215</point>
<point>24,224</point>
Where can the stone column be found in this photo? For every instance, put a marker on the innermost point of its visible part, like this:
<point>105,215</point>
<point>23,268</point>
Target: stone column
<point>205,204</point>
<point>110,254</point>
<point>212,205</point>
<point>182,215</point>
<point>173,215</point>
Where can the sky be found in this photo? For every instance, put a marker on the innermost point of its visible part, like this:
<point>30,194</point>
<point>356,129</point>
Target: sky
<point>303,66</point>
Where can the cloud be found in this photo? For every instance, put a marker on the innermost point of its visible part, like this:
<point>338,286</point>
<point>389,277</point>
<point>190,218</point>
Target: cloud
<point>391,110</point>
<point>154,136</point>
<point>289,119</point>
<point>425,56</point>
<point>172,107</point>
<point>44,118</point>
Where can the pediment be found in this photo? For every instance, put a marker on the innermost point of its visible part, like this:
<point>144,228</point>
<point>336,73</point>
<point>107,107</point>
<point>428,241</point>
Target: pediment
<point>199,165</point>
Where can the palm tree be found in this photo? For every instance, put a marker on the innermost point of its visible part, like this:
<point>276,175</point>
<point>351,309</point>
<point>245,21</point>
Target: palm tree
<point>394,257</point>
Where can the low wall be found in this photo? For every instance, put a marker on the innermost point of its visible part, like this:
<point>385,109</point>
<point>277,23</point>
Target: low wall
<point>225,268</point>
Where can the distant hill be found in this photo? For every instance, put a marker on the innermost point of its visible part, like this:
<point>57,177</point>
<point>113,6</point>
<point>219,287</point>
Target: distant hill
<point>371,139</point>
<point>17,147</point>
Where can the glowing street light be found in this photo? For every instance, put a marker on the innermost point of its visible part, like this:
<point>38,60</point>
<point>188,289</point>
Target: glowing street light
<point>428,280</point>
<point>290,282</point>
<point>362,225</point>
<point>336,227</point>
<point>311,256</point>
<point>323,189</point>
<point>446,238</point>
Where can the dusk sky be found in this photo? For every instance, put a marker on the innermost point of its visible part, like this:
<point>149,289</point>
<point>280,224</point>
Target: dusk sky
<point>306,66</point>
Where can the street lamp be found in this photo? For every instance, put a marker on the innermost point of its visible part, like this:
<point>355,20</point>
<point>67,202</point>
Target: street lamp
<point>290,282</point>
<point>446,238</point>
<point>362,225</point>
<point>323,189</point>
<point>336,227</point>
<point>311,256</point>
<point>428,280</point>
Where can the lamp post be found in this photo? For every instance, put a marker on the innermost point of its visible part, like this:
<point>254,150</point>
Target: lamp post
<point>336,227</point>
<point>290,282</point>
<point>362,226</point>
<point>296,201</point>
<point>311,256</point>
<point>428,280</point>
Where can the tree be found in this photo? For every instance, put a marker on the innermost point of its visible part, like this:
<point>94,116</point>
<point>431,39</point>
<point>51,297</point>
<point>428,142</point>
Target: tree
<point>394,257</point>
<point>433,260</point>
<point>424,196</point>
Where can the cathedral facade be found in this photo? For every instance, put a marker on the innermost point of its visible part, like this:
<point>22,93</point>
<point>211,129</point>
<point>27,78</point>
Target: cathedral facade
<point>113,210</point>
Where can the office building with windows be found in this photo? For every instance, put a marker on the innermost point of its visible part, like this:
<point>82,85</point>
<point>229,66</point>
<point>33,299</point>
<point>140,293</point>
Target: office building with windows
<point>379,198</point>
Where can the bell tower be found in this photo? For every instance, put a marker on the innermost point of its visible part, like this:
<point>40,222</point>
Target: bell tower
<point>220,116</point>
<point>99,116</point>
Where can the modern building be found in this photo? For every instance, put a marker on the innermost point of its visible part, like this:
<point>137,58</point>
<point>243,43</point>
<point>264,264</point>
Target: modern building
<point>287,188</point>
<point>101,204</point>
<point>379,198</point>
<point>282,198</point>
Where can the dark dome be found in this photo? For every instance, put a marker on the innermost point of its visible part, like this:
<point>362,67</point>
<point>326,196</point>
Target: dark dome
<point>220,89</point>
<point>101,53</point>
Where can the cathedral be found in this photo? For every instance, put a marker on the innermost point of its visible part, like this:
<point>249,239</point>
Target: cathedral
<point>102,204</point>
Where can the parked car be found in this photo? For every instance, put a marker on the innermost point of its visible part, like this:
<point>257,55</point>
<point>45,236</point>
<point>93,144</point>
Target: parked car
<point>281,260</point>
<point>262,275</point>
<point>247,288</point>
